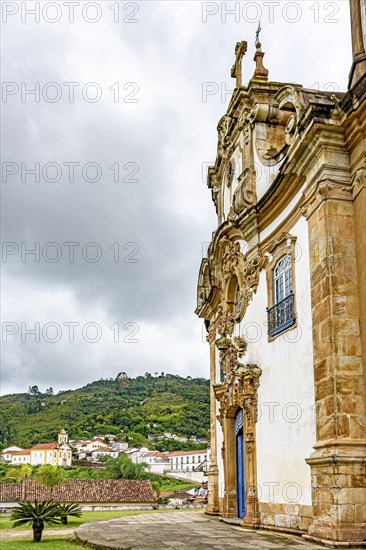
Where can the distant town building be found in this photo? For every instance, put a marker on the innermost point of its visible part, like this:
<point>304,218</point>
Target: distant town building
<point>7,453</point>
<point>56,454</point>
<point>190,461</point>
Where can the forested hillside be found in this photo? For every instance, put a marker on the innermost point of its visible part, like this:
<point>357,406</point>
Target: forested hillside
<point>125,407</point>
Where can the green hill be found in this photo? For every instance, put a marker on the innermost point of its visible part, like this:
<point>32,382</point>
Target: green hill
<point>130,408</point>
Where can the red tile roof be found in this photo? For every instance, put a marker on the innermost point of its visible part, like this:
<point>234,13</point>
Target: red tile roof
<point>41,446</point>
<point>157,454</point>
<point>82,491</point>
<point>17,453</point>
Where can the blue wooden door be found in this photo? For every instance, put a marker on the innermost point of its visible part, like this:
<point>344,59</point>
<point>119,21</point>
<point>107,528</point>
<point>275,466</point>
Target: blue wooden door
<point>240,481</point>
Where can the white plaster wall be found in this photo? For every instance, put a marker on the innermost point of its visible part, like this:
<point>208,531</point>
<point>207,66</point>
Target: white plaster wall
<point>265,175</point>
<point>285,212</point>
<point>286,425</point>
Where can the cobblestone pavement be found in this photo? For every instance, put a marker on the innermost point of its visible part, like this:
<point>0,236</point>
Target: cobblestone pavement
<point>191,531</point>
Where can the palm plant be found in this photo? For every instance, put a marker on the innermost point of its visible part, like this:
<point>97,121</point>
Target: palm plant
<point>65,510</point>
<point>37,515</point>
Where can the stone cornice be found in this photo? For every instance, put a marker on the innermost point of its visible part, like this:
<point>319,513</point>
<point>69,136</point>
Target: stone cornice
<point>326,189</point>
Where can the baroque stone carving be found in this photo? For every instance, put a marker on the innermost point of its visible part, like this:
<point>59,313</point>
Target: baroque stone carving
<point>230,256</point>
<point>226,323</point>
<point>251,272</point>
<point>223,130</point>
<point>240,390</point>
<point>245,195</point>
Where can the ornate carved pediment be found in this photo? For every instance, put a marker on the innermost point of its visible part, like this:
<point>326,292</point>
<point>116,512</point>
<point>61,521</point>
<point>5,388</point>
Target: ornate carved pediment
<point>230,256</point>
<point>240,390</point>
<point>230,350</point>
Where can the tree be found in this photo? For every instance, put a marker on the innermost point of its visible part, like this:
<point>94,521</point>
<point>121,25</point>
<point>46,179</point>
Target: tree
<point>50,476</point>
<point>21,473</point>
<point>34,390</point>
<point>37,515</point>
<point>123,468</point>
<point>69,510</point>
<point>49,391</point>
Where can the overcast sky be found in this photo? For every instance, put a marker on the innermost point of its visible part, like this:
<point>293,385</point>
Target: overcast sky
<point>118,158</point>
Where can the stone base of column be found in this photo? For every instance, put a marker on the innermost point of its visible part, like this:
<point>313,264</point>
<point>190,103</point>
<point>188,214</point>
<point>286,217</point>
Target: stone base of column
<point>229,510</point>
<point>213,490</point>
<point>338,473</point>
<point>252,515</point>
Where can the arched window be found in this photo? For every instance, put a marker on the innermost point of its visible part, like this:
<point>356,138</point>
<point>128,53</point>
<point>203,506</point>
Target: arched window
<point>282,314</point>
<point>237,300</point>
<point>282,279</point>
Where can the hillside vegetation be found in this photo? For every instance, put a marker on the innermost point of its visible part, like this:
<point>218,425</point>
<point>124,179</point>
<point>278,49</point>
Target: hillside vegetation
<point>129,408</point>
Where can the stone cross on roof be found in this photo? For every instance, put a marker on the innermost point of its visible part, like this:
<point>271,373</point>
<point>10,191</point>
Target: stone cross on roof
<point>236,70</point>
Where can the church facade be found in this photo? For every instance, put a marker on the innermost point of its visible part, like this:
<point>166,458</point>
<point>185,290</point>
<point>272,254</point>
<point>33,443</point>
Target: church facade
<point>282,293</point>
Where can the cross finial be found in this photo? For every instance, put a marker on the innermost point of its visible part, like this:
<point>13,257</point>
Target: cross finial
<point>236,71</point>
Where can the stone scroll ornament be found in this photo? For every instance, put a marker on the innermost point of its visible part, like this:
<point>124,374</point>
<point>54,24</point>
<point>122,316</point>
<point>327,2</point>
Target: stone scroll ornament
<point>245,195</point>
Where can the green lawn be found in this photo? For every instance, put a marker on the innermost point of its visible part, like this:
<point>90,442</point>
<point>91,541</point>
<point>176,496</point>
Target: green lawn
<point>46,544</point>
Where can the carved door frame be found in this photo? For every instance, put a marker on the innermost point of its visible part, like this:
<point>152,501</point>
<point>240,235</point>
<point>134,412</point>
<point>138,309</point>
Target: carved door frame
<point>240,393</point>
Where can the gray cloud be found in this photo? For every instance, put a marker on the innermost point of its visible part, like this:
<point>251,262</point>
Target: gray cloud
<point>168,213</point>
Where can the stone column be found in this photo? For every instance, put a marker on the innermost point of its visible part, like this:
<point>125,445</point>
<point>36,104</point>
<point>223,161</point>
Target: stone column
<point>358,46</point>
<point>252,515</point>
<point>213,472</point>
<point>338,463</point>
<point>359,201</point>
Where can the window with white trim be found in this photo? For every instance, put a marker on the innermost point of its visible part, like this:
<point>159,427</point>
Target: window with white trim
<point>282,314</point>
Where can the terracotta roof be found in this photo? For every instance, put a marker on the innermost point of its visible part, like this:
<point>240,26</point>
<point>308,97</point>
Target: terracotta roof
<point>41,446</point>
<point>82,491</point>
<point>17,453</point>
<point>178,453</point>
<point>158,454</point>
<point>104,450</point>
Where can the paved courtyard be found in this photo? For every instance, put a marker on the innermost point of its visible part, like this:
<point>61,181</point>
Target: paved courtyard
<point>179,531</point>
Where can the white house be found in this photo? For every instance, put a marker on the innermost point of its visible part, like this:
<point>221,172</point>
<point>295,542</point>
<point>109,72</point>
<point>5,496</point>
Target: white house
<point>6,454</point>
<point>157,462</point>
<point>20,457</point>
<point>104,451</point>
<point>190,461</point>
<point>119,445</point>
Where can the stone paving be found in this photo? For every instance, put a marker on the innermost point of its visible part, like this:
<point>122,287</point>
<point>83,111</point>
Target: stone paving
<point>189,530</point>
